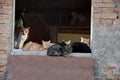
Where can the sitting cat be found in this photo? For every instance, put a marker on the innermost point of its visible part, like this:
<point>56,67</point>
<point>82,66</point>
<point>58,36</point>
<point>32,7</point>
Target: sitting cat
<point>85,40</point>
<point>21,35</point>
<point>59,49</point>
<point>33,46</point>
<point>80,47</point>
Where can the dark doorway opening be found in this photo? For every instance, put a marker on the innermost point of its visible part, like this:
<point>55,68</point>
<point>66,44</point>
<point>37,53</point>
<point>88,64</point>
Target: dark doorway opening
<point>55,20</point>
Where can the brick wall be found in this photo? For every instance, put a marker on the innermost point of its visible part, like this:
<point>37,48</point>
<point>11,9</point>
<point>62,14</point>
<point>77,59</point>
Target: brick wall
<point>106,36</point>
<point>105,41</point>
<point>6,7</point>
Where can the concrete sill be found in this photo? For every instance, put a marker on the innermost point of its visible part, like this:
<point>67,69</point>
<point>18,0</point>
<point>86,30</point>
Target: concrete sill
<point>43,53</point>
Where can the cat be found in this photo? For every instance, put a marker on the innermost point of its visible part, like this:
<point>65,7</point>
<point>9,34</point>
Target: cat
<point>33,46</point>
<point>80,47</point>
<point>59,49</point>
<point>21,35</point>
<point>85,40</point>
<point>47,44</point>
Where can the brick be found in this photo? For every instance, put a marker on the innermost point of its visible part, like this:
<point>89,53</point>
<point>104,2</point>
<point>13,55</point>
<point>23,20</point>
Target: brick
<point>116,0</point>
<point>3,11</point>
<point>107,21</point>
<point>2,67</point>
<point>3,21</point>
<point>3,40</point>
<point>9,7</point>
<point>103,5</point>
<point>3,61</point>
<point>3,52</point>
<point>108,27</point>
<point>1,72</point>
<point>107,1</point>
<point>106,16</point>
<point>6,1</point>
<point>98,22</point>
<point>117,10</point>
<point>97,0</point>
<point>3,31</point>
<point>3,16</point>
<point>5,26</point>
<point>97,10</point>
<point>3,56</point>
<point>3,47</point>
<point>108,10</point>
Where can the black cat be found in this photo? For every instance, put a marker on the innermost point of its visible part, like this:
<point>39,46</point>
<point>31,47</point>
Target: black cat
<point>80,47</point>
<point>59,49</point>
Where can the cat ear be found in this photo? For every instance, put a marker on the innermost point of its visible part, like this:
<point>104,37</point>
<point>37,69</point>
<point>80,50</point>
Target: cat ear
<point>68,42</point>
<point>63,40</point>
<point>81,39</point>
<point>43,41</point>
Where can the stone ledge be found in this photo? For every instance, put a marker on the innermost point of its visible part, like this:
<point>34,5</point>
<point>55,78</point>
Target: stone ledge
<point>50,68</point>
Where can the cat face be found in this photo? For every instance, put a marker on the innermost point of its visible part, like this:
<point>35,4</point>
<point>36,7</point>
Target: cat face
<point>25,31</point>
<point>67,49</point>
<point>46,44</point>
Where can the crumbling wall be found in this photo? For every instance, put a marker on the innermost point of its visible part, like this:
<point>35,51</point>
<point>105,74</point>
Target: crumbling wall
<point>105,36</point>
<point>105,41</point>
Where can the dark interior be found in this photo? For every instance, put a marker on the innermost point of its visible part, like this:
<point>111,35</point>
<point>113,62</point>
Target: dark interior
<point>49,17</point>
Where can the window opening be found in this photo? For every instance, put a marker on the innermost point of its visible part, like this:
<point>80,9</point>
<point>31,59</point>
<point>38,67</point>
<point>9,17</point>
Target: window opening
<point>51,21</point>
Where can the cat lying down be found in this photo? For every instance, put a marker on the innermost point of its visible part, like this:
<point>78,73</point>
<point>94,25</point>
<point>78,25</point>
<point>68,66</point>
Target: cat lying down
<point>33,46</point>
<point>65,48</point>
<point>59,49</point>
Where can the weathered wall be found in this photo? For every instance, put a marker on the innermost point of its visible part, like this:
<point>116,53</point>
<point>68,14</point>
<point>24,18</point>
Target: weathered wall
<point>106,35</point>
<point>6,14</point>
<point>105,41</point>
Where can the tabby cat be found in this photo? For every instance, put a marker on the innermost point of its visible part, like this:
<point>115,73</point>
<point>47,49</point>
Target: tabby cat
<point>47,44</point>
<point>59,49</point>
<point>33,46</point>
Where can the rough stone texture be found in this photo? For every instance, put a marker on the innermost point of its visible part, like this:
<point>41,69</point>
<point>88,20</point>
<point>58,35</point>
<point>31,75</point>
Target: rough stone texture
<point>105,34</point>
<point>106,38</point>
<point>6,20</point>
<point>50,68</point>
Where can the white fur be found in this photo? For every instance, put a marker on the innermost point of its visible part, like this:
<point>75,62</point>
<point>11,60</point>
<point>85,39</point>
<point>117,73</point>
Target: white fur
<point>21,39</point>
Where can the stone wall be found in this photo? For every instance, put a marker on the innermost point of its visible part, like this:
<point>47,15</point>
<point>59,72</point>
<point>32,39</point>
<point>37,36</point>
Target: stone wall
<point>6,17</point>
<point>106,37</point>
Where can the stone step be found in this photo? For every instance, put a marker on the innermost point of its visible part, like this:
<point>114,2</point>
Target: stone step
<point>50,68</point>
